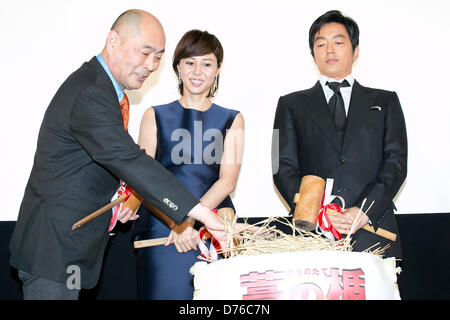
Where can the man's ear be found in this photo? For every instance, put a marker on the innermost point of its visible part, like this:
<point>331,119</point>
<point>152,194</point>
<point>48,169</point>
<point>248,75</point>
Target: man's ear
<point>355,53</point>
<point>113,40</point>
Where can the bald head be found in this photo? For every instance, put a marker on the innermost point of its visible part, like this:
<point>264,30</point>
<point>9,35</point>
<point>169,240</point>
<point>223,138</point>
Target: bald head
<point>133,21</point>
<point>134,47</point>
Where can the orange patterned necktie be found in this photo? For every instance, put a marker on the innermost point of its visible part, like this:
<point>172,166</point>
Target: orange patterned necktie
<point>125,108</point>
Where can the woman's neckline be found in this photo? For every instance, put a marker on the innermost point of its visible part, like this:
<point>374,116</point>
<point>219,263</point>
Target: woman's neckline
<point>202,111</point>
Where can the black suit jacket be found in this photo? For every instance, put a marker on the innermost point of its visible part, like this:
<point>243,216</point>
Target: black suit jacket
<point>370,163</point>
<point>82,151</point>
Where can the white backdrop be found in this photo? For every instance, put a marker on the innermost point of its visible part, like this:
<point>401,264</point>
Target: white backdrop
<point>404,47</point>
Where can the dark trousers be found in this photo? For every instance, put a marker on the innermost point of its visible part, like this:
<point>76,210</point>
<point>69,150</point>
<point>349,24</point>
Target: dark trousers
<point>37,288</point>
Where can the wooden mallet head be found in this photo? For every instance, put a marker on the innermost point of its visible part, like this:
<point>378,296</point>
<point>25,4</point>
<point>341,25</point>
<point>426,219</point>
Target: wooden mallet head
<point>307,202</point>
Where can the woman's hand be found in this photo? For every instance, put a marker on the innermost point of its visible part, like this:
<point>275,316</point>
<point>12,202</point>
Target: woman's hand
<point>184,237</point>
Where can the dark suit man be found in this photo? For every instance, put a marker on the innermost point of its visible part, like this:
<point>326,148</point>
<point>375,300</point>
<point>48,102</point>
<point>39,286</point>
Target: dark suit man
<point>82,152</point>
<point>364,151</point>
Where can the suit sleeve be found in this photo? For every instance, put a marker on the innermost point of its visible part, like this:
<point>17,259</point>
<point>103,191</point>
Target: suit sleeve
<point>96,123</point>
<point>393,168</point>
<point>285,164</point>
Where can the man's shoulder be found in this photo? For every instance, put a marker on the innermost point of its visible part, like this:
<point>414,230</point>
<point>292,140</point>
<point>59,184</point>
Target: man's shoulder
<point>84,76</point>
<point>301,95</point>
<point>87,70</point>
<point>382,96</point>
<point>90,76</point>
<point>303,92</point>
<point>378,91</point>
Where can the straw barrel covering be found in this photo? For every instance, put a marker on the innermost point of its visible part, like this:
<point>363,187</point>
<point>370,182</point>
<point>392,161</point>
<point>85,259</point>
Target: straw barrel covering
<point>303,275</point>
<point>263,262</point>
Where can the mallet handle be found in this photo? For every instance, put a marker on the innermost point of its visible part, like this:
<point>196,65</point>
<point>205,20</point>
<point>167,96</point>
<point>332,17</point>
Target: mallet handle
<point>150,242</point>
<point>95,214</point>
<point>225,213</point>
<point>380,231</point>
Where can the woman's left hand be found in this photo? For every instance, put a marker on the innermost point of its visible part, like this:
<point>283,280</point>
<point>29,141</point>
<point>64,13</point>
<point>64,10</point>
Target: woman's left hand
<point>184,237</point>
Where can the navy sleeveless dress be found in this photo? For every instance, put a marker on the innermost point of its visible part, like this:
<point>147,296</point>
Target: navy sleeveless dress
<point>190,145</point>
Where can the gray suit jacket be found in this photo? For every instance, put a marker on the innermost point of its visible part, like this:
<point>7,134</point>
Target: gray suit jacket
<point>82,152</point>
<point>371,163</point>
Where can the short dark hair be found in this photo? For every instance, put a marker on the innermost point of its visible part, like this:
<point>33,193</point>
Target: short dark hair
<point>197,43</point>
<point>336,17</point>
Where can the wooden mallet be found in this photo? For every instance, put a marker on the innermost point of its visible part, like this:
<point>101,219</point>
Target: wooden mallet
<point>226,213</point>
<point>133,202</point>
<point>307,202</point>
<point>307,206</point>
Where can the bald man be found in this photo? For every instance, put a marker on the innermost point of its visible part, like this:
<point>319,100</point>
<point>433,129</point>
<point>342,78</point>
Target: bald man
<point>83,150</point>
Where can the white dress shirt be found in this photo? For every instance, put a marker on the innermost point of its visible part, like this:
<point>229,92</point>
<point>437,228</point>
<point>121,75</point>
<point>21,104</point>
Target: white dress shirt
<point>346,92</point>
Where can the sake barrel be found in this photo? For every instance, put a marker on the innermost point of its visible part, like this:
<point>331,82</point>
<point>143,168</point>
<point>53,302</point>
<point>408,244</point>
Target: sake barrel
<point>301,275</point>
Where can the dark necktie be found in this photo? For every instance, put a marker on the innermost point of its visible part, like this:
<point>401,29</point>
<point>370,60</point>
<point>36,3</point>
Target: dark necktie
<point>337,108</point>
<point>125,109</point>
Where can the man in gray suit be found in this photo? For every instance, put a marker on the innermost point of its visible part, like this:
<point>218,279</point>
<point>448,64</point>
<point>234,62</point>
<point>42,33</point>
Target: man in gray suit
<point>82,152</point>
<point>342,130</point>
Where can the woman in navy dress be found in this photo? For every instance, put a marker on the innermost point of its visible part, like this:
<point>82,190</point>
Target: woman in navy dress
<point>201,143</point>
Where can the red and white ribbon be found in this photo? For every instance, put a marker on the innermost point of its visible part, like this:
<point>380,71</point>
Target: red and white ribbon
<point>324,225</point>
<point>116,210</point>
<point>211,253</point>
